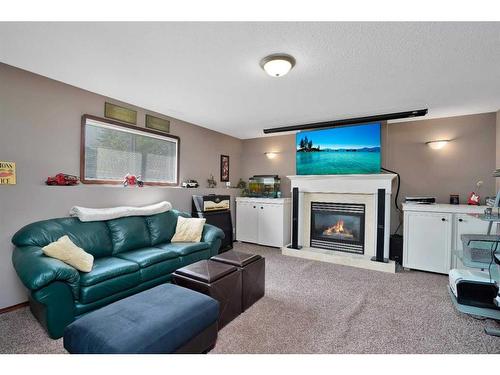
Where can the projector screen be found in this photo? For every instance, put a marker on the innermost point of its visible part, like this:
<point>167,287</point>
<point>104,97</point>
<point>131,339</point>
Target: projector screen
<point>351,149</point>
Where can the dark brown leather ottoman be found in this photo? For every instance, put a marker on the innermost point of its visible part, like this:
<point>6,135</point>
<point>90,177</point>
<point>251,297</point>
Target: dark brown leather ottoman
<point>217,280</point>
<point>253,271</point>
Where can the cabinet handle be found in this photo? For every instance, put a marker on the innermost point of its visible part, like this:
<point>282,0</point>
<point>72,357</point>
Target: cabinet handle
<point>262,208</point>
<point>443,219</point>
<point>460,220</point>
<point>253,206</point>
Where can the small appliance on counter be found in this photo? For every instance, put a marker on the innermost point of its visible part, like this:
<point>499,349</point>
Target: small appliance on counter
<point>420,200</point>
<point>216,209</point>
<point>264,186</point>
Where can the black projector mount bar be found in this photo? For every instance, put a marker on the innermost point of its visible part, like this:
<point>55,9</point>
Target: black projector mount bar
<point>349,121</point>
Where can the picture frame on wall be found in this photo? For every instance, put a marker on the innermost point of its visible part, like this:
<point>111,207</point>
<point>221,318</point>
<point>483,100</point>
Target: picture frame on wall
<point>224,168</point>
<point>119,113</point>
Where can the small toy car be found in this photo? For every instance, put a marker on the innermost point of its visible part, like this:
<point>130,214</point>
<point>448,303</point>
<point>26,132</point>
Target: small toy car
<point>190,184</point>
<point>62,180</point>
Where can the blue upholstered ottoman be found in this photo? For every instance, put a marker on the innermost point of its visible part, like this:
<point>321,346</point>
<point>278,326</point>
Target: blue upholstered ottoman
<point>164,319</point>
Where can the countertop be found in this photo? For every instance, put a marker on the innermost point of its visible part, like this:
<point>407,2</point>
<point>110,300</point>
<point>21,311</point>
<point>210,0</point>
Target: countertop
<point>444,207</point>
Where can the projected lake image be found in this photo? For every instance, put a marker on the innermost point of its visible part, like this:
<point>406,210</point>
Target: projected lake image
<point>344,150</point>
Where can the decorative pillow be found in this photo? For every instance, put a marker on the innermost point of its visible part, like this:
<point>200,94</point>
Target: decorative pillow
<point>65,250</point>
<point>188,229</point>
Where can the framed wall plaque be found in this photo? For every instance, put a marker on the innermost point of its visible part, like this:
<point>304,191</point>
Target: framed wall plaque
<point>224,168</point>
<point>157,123</point>
<point>120,113</point>
<point>7,173</point>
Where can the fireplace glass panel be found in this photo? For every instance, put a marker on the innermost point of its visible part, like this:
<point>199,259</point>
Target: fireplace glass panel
<point>338,226</point>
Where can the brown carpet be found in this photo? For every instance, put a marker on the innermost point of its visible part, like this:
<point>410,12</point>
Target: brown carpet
<point>314,307</point>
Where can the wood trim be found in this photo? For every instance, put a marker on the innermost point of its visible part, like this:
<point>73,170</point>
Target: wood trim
<point>128,126</point>
<point>14,307</point>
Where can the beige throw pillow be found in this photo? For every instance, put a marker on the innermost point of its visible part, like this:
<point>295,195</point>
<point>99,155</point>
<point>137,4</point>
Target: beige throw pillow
<point>65,250</point>
<point>188,229</point>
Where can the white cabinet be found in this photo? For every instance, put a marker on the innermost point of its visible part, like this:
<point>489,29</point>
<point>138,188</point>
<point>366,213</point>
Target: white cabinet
<point>247,221</point>
<point>429,245</point>
<point>263,221</point>
<point>432,232</point>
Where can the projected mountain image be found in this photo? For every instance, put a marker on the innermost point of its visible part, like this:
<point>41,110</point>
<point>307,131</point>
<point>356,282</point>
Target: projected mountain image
<point>343,150</point>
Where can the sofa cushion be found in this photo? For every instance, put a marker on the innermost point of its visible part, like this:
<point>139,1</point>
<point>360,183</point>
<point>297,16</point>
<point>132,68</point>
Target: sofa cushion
<point>107,268</point>
<point>65,250</point>
<point>162,226</point>
<point>107,288</point>
<point>188,229</point>
<point>92,236</point>
<point>184,248</point>
<point>146,322</point>
<point>129,233</point>
<point>147,256</point>
<point>161,269</point>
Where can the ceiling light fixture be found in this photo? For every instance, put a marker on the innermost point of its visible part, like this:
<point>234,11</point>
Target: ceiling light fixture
<point>271,154</point>
<point>277,65</point>
<point>437,145</point>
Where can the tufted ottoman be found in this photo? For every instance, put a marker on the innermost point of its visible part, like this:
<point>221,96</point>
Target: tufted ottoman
<point>164,319</point>
<point>217,280</point>
<point>253,274</point>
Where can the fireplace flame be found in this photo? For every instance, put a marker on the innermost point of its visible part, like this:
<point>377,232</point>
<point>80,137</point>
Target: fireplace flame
<point>337,228</point>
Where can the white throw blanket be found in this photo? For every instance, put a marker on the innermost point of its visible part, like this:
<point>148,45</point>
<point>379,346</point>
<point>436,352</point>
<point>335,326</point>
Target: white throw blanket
<point>100,214</point>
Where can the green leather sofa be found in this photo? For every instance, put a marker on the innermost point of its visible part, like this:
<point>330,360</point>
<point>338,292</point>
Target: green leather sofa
<point>131,254</point>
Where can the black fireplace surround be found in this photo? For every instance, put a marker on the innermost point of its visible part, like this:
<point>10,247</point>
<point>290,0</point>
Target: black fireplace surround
<point>338,226</point>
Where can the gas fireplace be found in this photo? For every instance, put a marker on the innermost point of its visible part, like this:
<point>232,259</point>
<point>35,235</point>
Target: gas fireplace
<point>338,226</point>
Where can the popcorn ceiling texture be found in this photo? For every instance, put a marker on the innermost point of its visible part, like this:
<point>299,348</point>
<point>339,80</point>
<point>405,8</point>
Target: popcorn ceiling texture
<point>208,73</point>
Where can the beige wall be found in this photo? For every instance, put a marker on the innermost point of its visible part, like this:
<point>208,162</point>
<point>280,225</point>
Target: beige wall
<point>468,158</point>
<point>40,131</point>
<point>455,169</point>
<point>497,165</point>
<point>254,160</point>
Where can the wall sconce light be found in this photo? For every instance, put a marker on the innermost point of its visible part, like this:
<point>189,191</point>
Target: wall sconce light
<point>271,155</point>
<point>437,145</point>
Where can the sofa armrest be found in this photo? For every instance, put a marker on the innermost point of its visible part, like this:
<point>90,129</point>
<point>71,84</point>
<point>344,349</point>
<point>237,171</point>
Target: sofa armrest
<point>37,270</point>
<point>213,236</point>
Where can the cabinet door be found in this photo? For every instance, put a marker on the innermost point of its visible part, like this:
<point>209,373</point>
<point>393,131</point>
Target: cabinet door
<point>428,237</point>
<point>465,224</point>
<point>270,224</point>
<point>247,216</point>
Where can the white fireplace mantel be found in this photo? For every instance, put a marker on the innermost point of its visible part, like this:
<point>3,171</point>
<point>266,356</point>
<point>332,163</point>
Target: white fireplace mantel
<point>356,188</point>
<point>349,184</point>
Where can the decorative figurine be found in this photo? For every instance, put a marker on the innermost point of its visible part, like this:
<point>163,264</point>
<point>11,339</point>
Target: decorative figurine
<point>130,180</point>
<point>211,182</point>
<point>133,180</point>
<point>241,184</point>
<point>474,198</point>
<point>139,181</point>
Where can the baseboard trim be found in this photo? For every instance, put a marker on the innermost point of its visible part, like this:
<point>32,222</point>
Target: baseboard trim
<point>15,307</point>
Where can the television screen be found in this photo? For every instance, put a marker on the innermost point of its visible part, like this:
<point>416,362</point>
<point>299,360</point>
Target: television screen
<point>342,150</point>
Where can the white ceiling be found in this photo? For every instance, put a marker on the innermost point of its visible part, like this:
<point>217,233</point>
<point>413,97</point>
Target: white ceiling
<point>209,73</point>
